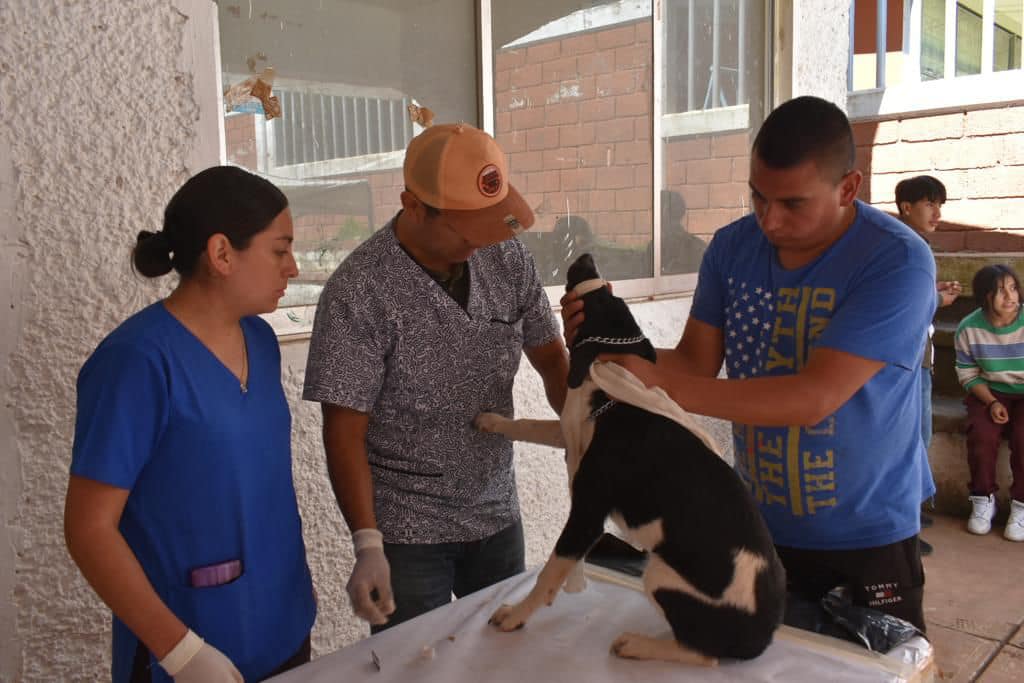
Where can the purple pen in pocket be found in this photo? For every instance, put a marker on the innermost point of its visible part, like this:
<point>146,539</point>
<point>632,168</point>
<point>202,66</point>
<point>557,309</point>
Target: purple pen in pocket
<point>215,574</point>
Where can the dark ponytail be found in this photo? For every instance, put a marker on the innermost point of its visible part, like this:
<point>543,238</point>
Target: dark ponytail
<point>152,254</point>
<point>224,200</point>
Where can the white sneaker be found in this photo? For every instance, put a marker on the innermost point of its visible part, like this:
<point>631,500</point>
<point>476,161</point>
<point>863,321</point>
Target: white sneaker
<point>984,509</point>
<point>1015,524</point>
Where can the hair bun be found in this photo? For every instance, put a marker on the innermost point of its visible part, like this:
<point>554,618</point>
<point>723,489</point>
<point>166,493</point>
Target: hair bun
<point>152,255</point>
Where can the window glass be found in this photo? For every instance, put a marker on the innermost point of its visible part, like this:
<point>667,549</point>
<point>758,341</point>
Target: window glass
<point>572,106</point>
<point>968,41</point>
<point>933,39</point>
<point>713,86</point>
<point>344,74</point>
<point>1007,48</point>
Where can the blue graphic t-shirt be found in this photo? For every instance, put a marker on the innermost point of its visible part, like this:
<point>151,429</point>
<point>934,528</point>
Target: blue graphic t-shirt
<point>855,480</point>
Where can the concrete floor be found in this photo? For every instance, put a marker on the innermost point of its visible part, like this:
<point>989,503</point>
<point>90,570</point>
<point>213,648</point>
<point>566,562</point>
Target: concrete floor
<point>974,603</point>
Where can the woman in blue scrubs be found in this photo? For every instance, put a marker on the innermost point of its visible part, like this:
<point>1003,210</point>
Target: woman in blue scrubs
<point>181,510</point>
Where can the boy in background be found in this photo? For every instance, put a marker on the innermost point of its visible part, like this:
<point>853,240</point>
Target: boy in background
<point>919,201</point>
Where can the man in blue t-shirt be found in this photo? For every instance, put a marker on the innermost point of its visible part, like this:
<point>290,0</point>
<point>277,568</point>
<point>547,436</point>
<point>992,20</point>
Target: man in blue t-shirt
<point>813,302</point>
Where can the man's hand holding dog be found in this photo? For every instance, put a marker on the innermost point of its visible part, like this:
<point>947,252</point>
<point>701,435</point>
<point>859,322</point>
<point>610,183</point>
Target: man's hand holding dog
<point>372,574</point>
<point>572,314</point>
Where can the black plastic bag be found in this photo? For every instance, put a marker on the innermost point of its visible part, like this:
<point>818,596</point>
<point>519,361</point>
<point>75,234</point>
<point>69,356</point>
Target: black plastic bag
<point>835,615</point>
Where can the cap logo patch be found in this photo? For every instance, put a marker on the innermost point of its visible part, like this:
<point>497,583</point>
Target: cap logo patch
<point>489,181</point>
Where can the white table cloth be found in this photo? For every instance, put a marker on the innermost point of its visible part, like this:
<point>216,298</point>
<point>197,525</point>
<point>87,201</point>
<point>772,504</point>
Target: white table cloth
<point>569,641</point>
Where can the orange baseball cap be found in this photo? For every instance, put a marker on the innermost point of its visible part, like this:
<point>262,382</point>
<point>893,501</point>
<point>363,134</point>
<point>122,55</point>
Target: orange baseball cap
<point>462,170</point>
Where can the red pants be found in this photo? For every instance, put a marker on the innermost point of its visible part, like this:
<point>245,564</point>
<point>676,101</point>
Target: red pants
<point>983,444</point>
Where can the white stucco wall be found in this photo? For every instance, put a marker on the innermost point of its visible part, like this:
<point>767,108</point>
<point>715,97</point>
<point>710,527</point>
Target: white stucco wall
<point>100,121</point>
<point>821,40</point>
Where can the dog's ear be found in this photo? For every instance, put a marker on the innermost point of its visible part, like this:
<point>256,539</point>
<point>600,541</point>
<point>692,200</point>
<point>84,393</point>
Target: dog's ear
<point>581,270</point>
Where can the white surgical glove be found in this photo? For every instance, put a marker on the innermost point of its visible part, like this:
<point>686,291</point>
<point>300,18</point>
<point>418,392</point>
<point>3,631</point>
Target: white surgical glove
<point>371,573</point>
<point>194,661</point>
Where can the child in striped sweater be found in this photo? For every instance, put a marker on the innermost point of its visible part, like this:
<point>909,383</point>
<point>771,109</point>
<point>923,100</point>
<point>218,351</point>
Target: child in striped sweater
<point>990,366</point>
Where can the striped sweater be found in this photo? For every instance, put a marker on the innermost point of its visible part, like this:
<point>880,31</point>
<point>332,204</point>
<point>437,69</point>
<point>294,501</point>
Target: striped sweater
<point>993,355</point>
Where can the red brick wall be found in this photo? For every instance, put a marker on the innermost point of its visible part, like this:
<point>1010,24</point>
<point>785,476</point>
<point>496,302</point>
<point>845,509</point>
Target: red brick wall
<point>240,139</point>
<point>574,115</point>
<point>710,172</point>
<point>977,153</point>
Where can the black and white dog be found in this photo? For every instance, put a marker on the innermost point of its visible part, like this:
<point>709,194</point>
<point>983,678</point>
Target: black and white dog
<point>712,570</point>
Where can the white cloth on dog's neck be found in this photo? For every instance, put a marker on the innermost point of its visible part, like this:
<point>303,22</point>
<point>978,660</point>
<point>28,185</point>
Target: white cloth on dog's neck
<point>622,385</point>
<point>588,286</point>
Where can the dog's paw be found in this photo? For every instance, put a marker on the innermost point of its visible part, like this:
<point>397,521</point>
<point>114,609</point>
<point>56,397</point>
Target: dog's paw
<point>510,617</point>
<point>490,422</point>
<point>630,646</point>
<point>637,646</point>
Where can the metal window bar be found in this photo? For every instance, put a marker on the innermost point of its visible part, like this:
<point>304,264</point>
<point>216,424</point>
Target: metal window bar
<point>853,51</point>
<point>988,32</point>
<point>912,40</point>
<point>691,38</point>
<point>881,31</point>
<point>347,122</point>
<point>318,127</point>
<point>716,32</point>
<point>949,42</point>
<point>741,53</point>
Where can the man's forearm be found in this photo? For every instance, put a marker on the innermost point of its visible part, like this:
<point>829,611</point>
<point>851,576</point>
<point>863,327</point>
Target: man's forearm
<point>766,401</point>
<point>352,483</point>
<point>348,465</point>
<point>676,361</point>
<point>551,361</point>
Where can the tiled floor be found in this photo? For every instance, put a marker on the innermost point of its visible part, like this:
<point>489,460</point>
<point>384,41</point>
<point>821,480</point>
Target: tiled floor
<point>974,603</point>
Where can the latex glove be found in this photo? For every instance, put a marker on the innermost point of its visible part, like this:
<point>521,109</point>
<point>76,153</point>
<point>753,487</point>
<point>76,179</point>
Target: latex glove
<point>194,661</point>
<point>372,573</point>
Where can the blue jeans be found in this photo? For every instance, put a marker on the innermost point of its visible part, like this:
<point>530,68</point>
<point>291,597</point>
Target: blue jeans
<point>424,576</point>
<point>926,415</point>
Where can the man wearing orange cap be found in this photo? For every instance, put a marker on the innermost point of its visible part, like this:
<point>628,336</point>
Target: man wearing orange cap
<point>420,329</point>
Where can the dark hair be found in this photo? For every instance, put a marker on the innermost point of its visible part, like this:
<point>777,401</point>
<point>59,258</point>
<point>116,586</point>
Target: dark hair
<point>807,129</point>
<point>222,199</point>
<point>986,283</point>
<point>920,187</point>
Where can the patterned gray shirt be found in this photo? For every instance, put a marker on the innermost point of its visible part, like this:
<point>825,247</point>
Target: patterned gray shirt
<point>389,341</point>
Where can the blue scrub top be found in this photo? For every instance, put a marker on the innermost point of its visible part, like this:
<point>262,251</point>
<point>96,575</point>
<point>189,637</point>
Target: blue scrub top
<point>208,468</point>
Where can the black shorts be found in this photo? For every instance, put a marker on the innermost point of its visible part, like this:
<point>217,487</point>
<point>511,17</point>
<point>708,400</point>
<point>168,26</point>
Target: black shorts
<point>889,578</point>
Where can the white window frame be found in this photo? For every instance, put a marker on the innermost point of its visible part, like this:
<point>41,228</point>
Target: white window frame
<point>951,92</point>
